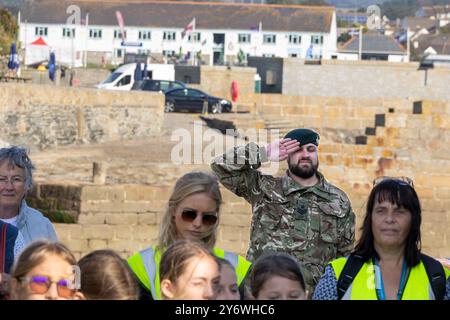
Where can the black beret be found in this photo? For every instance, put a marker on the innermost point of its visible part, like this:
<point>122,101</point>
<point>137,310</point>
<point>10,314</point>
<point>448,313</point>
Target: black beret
<point>304,136</point>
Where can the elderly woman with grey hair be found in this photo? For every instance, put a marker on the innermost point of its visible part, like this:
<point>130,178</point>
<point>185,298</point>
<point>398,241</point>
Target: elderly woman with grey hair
<point>16,179</point>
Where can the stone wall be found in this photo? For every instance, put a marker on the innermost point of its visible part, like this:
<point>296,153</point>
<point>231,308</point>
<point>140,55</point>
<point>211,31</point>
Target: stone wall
<point>216,80</point>
<point>45,116</point>
<point>125,217</point>
<point>83,77</point>
<point>370,79</point>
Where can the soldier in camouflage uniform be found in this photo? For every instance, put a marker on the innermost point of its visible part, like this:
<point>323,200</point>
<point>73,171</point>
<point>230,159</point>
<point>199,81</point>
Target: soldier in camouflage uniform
<point>299,213</point>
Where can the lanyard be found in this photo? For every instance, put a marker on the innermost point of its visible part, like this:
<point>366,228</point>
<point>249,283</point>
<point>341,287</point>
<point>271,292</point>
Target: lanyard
<point>379,285</point>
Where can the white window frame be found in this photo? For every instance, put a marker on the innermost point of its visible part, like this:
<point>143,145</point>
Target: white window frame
<point>244,38</point>
<point>41,31</point>
<point>169,36</point>
<point>145,35</point>
<point>144,51</point>
<point>295,38</point>
<point>116,53</point>
<point>95,33</point>
<point>270,38</point>
<point>317,40</point>
<point>168,53</point>
<point>118,35</point>
<point>194,37</point>
<point>68,33</point>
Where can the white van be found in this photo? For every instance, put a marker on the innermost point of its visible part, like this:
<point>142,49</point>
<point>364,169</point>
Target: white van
<point>123,77</point>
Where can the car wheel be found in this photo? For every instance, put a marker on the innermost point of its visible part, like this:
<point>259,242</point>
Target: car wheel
<point>169,107</point>
<point>216,108</point>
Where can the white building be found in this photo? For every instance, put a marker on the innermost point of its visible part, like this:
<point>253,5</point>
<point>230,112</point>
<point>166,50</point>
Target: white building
<point>373,46</point>
<point>87,31</point>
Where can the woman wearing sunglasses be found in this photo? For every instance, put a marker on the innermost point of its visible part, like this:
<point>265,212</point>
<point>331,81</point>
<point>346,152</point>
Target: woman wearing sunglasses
<point>192,214</point>
<point>387,263</point>
<point>45,271</point>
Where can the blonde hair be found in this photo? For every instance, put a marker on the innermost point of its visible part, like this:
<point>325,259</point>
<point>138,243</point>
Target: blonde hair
<point>176,258</point>
<point>189,184</point>
<point>34,255</point>
<point>106,276</point>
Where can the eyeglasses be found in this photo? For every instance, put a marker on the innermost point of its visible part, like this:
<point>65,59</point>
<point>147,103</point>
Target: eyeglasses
<point>66,288</point>
<point>404,181</point>
<point>189,215</point>
<point>15,181</point>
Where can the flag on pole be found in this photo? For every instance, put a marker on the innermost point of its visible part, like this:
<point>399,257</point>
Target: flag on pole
<point>189,28</point>
<point>121,25</point>
<point>256,27</point>
<point>85,21</point>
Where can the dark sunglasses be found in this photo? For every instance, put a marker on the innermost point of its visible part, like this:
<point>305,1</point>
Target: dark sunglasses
<point>189,215</point>
<point>403,181</point>
<point>41,284</point>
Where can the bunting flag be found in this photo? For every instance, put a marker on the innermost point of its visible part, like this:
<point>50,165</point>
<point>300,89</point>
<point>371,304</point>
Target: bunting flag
<point>85,21</point>
<point>189,28</point>
<point>256,27</point>
<point>121,25</point>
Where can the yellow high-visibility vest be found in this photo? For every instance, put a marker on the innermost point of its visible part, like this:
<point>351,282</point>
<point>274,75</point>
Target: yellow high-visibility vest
<point>363,286</point>
<point>145,264</point>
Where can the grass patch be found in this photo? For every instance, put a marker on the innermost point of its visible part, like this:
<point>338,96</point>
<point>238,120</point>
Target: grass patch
<point>58,216</point>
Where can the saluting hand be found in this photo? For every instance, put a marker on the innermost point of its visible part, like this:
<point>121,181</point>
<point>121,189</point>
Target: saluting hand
<point>280,150</point>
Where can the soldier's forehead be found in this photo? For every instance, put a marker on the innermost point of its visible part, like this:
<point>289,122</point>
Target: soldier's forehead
<point>309,145</point>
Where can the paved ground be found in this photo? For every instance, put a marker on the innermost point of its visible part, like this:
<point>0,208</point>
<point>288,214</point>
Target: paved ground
<point>133,161</point>
<point>146,160</point>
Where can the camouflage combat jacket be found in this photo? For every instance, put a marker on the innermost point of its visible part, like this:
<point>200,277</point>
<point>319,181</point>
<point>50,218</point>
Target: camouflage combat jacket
<point>315,224</point>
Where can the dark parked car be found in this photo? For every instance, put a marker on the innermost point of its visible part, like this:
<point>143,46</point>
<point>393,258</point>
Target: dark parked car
<point>193,99</point>
<point>157,85</point>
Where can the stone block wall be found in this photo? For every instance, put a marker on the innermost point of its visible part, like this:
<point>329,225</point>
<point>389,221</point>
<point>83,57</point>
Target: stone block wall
<point>371,79</point>
<point>83,77</point>
<point>216,80</point>
<point>126,217</point>
<point>45,116</point>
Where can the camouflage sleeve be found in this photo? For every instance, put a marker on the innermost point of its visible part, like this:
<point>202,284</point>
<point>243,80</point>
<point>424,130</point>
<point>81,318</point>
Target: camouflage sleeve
<point>347,229</point>
<point>237,169</point>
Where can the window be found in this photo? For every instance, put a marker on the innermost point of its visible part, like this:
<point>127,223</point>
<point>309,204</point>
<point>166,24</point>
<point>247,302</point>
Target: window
<point>68,32</point>
<point>151,85</point>
<point>194,37</point>
<point>318,40</point>
<point>295,39</point>
<point>269,39</point>
<point>95,33</point>
<point>195,93</point>
<point>179,93</point>
<point>175,85</point>
<point>145,52</point>
<point>244,38</point>
<point>169,36</point>
<point>41,31</point>
<point>124,81</point>
<point>168,53</point>
<point>118,53</point>
<point>118,34</point>
<point>145,35</point>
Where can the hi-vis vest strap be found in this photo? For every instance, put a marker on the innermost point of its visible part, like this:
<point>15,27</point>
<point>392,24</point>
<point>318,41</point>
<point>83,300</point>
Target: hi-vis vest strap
<point>145,264</point>
<point>363,286</point>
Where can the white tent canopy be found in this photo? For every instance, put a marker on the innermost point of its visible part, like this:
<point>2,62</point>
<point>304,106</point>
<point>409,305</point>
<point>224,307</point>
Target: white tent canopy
<point>39,51</point>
